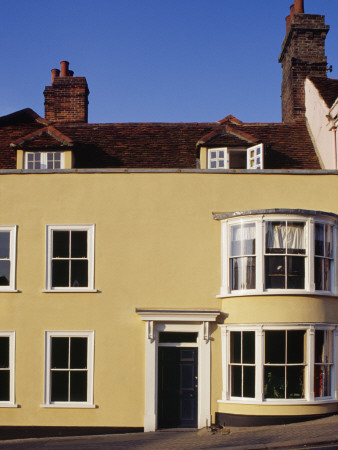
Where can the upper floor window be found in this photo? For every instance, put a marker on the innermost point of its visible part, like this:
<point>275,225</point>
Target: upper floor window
<point>285,252</point>
<point>70,257</point>
<point>276,254</point>
<point>7,258</point>
<point>236,158</point>
<point>44,160</point>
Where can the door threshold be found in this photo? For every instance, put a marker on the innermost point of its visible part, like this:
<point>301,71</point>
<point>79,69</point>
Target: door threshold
<point>166,430</point>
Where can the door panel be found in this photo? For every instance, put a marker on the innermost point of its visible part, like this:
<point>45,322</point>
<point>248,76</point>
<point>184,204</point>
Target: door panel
<point>177,387</point>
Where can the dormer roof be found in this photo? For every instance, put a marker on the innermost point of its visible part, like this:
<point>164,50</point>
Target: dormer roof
<point>46,137</point>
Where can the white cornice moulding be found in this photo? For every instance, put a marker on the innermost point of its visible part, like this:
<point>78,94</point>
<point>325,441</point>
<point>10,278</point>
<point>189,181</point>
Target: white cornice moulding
<point>178,315</point>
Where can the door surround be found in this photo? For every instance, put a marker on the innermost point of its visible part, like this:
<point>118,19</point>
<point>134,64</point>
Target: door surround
<point>177,321</point>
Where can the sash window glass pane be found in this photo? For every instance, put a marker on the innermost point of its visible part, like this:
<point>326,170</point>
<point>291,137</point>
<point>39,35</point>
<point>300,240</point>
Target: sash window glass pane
<point>285,272</point>
<point>5,269</point>
<point>5,264</point>
<point>323,362</point>
<point>284,368</point>
<point>242,363</point>
<point>323,256</point>
<point>70,265</point>
<point>69,363</point>
<point>243,266</point>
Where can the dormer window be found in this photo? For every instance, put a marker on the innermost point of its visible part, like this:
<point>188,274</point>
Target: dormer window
<point>44,160</point>
<point>236,158</point>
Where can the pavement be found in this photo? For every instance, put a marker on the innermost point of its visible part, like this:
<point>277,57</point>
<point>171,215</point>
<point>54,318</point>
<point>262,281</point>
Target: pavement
<point>317,433</point>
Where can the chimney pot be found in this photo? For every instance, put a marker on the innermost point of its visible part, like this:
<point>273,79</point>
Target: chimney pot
<point>64,68</point>
<point>299,7</point>
<point>70,73</point>
<point>292,13</point>
<point>55,74</point>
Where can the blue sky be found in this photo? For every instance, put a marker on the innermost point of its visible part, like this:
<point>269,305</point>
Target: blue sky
<point>154,60</point>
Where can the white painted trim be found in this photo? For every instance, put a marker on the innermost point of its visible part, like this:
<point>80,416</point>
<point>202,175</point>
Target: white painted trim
<point>90,369</point>
<point>90,257</point>
<point>71,405</point>
<point>164,322</point>
<point>226,158</point>
<point>255,161</point>
<point>72,290</point>
<point>12,230</point>
<point>177,315</point>
<point>9,291</point>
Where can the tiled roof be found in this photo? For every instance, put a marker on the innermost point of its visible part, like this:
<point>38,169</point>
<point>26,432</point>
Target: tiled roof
<point>286,145</point>
<point>327,87</point>
<point>155,145</point>
<point>46,137</point>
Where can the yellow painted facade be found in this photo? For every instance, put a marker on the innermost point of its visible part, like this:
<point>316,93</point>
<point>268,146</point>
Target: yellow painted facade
<point>156,246</point>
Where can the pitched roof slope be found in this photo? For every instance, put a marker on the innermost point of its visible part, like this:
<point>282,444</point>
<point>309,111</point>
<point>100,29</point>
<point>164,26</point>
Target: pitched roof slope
<point>154,145</point>
<point>327,87</point>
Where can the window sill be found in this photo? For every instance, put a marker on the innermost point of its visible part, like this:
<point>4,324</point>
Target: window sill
<point>8,405</point>
<point>2,289</point>
<point>53,291</point>
<point>69,405</point>
<point>299,292</point>
<point>272,402</point>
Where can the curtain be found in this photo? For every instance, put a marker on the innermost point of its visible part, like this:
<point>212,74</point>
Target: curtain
<point>285,235</point>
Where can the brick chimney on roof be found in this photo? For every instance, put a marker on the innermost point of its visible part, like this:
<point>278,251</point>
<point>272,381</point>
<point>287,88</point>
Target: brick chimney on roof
<point>66,100</point>
<point>302,55</point>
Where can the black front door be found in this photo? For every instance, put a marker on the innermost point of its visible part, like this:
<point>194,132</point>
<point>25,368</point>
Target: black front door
<point>177,387</point>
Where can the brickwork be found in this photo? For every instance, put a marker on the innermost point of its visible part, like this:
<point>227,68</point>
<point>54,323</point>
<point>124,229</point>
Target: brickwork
<point>66,100</point>
<point>302,55</point>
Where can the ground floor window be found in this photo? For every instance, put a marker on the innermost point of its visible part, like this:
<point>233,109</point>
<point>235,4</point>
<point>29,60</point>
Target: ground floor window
<point>69,368</point>
<point>6,368</point>
<point>270,363</point>
<point>284,365</point>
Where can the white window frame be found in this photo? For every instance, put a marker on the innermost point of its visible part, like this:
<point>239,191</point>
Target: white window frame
<point>11,403</point>
<point>12,229</point>
<point>254,157</point>
<point>43,159</point>
<point>90,369</point>
<point>90,249</point>
<point>309,356</point>
<point>260,220</point>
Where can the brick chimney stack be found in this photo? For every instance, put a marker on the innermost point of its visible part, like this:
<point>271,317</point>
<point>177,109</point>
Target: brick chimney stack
<point>302,55</point>
<point>66,100</point>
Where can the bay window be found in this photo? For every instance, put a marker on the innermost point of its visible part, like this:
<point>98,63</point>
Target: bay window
<point>278,364</point>
<point>278,253</point>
